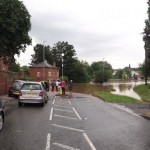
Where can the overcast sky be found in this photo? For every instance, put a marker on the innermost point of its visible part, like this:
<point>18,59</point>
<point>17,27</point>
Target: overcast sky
<point>99,30</point>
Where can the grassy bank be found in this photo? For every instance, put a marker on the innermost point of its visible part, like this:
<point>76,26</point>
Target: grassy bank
<point>114,98</point>
<point>143,91</point>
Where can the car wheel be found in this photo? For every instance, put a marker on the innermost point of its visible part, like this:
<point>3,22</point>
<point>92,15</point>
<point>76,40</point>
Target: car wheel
<point>19,104</point>
<point>42,104</point>
<point>46,99</point>
<point>1,121</point>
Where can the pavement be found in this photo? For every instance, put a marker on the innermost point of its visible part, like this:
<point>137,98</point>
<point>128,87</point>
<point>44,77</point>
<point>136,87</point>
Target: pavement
<point>141,109</point>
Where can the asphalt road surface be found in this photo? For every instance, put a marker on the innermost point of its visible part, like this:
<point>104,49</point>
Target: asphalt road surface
<point>78,123</point>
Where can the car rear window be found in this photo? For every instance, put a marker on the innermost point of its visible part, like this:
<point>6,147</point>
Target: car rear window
<point>31,86</point>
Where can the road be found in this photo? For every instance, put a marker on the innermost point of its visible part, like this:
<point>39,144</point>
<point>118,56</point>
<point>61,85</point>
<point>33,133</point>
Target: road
<point>77,123</point>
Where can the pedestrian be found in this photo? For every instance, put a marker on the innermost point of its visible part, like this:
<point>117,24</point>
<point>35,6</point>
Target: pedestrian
<point>63,87</point>
<point>53,85</point>
<point>57,85</point>
<point>70,86</point>
<point>47,85</point>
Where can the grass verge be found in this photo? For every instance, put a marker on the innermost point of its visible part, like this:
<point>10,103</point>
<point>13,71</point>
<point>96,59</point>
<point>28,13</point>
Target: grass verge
<point>114,98</point>
<point>143,91</point>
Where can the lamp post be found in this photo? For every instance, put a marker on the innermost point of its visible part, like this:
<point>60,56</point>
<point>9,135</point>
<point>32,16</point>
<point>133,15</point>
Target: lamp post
<point>62,64</point>
<point>43,61</point>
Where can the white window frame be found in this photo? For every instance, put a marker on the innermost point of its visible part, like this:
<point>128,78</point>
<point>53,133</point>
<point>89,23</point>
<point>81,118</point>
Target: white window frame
<point>38,74</point>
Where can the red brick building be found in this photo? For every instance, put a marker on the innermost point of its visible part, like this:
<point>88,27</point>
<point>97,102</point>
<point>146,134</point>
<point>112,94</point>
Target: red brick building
<point>44,71</point>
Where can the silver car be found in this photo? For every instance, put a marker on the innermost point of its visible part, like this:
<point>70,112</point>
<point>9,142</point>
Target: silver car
<point>32,92</point>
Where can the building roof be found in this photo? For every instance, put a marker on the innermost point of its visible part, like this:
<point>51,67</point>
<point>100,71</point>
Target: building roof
<point>43,64</point>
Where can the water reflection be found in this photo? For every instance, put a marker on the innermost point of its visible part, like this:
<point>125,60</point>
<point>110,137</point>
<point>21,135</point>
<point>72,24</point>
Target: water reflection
<point>121,88</point>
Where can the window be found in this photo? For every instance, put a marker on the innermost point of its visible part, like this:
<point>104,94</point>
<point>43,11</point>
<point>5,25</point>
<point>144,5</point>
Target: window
<point>38,74</point>
<point>57,74</point>
<point>49,74</point>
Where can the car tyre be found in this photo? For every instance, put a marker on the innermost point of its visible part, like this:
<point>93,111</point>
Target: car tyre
<point>46,99</point>
<point>42,104</point>
<point>19,104</point>
<point>1,121</point>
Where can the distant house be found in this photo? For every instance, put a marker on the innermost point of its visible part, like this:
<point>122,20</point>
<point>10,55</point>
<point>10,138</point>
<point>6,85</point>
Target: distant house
<point>44,71</point>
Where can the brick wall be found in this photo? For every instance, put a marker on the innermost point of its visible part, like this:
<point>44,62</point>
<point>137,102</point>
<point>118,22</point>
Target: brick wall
<point>44,73</point>
<point>5,81</point>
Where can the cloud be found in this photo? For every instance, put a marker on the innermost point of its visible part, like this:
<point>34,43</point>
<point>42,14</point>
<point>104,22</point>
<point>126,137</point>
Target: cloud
<point>98,29</point>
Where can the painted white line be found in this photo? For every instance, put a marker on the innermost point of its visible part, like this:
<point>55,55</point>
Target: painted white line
<point>59,100</point>
<point>61,103</point>
<point>48,141</point>
<point>53,101</point>
<point>65,146</point>
<point>65,117</point>
<point>62,106</point>
<point>89,142</point>
<point>62,110</point>
<point>69,128</point>
<point>77,114</point>
<point>69,102</point>
<point>51,114</point>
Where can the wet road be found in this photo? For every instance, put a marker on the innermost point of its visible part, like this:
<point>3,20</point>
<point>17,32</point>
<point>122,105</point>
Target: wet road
<point>78,123</point>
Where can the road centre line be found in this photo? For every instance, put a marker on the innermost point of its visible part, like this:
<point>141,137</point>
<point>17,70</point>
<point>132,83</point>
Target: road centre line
<point>53,101</point>
<point>51,114</point>
<point>65,117</point>
<point>89,141</point>
<point>63,110</point>
<point>65,146</point>
<point>62,106</point>
<point>68,128</point>
<point>77,113</point>
<point>69,102</point>
<point>48,141</point>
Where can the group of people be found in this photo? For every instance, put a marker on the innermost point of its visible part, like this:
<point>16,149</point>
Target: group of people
<point>58,86</point>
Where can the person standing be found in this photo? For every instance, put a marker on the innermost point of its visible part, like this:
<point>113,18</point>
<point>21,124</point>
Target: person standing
<point>57,85</point>
<point>63,87</point>
<point>53,85</point>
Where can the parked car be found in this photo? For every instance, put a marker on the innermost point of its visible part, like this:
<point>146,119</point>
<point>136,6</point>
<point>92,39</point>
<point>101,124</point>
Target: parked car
<point>1,114</point>
<point>32,92</point>
<point>15,88</point>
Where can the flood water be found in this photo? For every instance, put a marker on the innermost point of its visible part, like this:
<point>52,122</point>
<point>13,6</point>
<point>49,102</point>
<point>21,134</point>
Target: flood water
<point>121,88</point>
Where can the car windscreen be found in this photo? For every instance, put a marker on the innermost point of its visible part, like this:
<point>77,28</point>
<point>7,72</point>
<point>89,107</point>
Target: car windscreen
<point>31,86</point>
<point>17,85</point>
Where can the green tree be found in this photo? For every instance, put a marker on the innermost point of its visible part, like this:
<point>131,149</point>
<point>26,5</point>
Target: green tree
<point>68,57</point>
<point>102,71</point>
<point>146,39</point>
<point>14,27</point>
<point>26,69</point>
<point>37,57</point>
<point>79,74</point>
<point>15,67</point>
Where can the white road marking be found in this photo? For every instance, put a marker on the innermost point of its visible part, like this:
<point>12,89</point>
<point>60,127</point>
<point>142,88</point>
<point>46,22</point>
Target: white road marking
<point>89,142</point>
<point>51,114</point>
<point>53,101</point>
<point>77,114</point>
<point>62,106</point>
<point>65,146</point>
<point>48,141</point>
<point>62,110</point>
<point>65,117</point>
<point>61,103</point>
<point>69,128</point>
<point>124,108</point>
<point>69,102</point>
